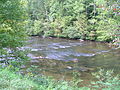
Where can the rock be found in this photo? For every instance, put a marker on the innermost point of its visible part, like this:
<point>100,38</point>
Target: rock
<point>23,66</point>
<point>81,40</point>
<point>34,49</point>
<point>53,64</point>
<point>69,67</point>
<point>34,61</point>
<point>62,47</point>
<point>50,37</point>
<point>81,69</point>
<point>2,60</point>
<point>85,69</point>
<point>75,60</point>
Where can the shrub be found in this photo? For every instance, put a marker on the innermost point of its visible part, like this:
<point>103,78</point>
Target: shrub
<point>49,33</point>
<point>72,32</point>
<point>11,81</point>
<point>106,80</point>
<point>106,30</point>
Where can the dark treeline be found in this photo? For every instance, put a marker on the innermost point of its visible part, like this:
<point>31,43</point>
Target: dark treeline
<point>76,19</point>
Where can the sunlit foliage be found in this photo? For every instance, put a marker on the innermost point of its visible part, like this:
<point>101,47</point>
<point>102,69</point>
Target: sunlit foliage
<point>81,19</point>
<point>12,17</point>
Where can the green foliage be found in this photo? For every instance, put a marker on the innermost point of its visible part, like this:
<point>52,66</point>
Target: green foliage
<point>12,81</point>
<point>79,19</point>
<point>12,16</point>
<point>36,26</point>
<point>49,33</point>
<point>9,80</point>
<point>106,30</point>
<point>72,32</point>
<point>106,80</point>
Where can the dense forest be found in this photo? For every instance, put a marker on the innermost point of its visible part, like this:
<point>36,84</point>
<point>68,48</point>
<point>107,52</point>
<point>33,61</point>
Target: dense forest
<point>96,20</point>
<point>75,19</point>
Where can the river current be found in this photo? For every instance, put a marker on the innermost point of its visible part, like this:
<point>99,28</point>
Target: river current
<point>60,58</point>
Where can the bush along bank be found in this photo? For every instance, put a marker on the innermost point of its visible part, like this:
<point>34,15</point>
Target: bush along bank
<point>75,19</point>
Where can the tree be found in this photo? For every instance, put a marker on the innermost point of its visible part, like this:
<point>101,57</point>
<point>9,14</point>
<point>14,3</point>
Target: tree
<point>12,17</point>
<point>12,25</point>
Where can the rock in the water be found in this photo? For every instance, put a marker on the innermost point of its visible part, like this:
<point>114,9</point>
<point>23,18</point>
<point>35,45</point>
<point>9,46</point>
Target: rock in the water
<point>69,67</point>
<point>84,69</point>
<point>75,60</point>
<point>81,40</point>
<point>34,61</point>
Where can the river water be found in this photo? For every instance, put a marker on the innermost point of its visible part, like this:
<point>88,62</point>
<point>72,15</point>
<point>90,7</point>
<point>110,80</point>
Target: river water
<point>61,58</point>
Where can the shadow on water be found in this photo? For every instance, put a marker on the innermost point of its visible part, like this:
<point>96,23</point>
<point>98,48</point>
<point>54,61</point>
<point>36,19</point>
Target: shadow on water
<point>60,57</point>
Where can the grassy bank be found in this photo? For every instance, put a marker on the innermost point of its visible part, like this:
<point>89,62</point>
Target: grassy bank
<point>9,80</point>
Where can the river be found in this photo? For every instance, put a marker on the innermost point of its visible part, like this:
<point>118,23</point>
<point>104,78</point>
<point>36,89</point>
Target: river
<point>60,58</point>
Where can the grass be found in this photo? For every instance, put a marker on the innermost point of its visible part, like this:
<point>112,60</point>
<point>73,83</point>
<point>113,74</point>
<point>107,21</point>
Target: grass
<point>11,81</point>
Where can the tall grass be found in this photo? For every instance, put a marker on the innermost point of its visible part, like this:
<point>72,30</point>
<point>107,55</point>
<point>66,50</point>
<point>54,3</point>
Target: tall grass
<point>12,81</point>
<point>9,80</point>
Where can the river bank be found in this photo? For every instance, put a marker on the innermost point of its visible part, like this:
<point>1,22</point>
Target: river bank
<point>110,43</point>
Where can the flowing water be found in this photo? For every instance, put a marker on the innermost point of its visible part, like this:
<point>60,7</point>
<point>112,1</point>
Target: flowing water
<point>61,58</point>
